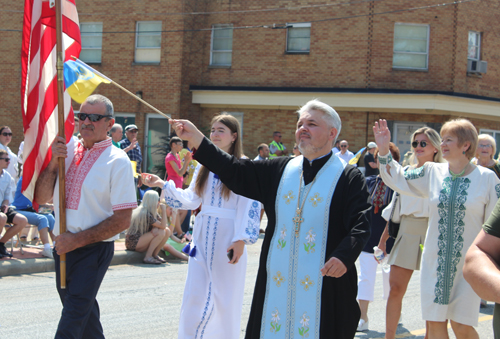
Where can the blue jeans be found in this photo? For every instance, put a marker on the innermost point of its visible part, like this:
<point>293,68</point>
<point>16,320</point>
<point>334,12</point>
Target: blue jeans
<point>40,220</point>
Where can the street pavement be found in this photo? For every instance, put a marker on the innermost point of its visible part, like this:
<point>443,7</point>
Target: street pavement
<point>143,301</point>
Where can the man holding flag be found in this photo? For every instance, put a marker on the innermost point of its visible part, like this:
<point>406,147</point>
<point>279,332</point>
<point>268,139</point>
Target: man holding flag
<point>100,196</point>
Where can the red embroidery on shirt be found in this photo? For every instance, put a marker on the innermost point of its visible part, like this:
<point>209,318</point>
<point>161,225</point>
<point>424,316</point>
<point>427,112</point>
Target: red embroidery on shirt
<point>124,206</point>
<point>80,166</point>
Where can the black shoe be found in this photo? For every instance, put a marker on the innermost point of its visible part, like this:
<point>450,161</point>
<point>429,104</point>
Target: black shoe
<point>3,251</point>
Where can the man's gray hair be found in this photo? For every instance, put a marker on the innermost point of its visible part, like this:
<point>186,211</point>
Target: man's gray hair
<point>97,99</point>
<point>115,127</point>
<point>331,116</point>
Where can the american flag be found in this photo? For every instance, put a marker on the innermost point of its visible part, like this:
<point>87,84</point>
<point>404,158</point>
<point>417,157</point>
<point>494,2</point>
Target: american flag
<point>39,83</point>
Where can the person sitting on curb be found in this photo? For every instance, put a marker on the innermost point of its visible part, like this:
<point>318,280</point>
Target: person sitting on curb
<point>44,222</point>
<point>174,245</point>
<point>8,214</point>
<point>148,232</point>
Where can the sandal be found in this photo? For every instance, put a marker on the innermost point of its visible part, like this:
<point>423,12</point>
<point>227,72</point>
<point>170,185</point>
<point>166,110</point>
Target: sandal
<point>152,261</point>
<point>160,259</point>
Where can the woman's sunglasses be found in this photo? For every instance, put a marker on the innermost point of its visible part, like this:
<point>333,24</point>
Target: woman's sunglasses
<point>415,144</point>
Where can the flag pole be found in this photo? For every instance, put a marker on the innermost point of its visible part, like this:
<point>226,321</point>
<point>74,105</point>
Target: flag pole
<point>60,120</point>
<point>120,87</point>
<point>144,102</point>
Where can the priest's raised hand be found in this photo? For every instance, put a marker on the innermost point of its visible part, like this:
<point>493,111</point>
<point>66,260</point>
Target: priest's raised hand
<point>186,130</point>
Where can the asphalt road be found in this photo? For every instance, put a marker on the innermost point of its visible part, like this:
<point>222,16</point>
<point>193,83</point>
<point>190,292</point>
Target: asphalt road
<point>143,301</point>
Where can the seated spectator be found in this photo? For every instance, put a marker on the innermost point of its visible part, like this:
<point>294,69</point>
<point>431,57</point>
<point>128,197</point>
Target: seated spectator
<point>174,245</point>
<point>5,139</point>
<point>148,232</point>
<point>44,222</point>
<point>8,214</point>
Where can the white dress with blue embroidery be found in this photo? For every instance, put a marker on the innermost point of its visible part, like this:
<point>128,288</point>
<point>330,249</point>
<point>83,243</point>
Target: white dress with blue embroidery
<point>457,209</point>
<point>213,294</point>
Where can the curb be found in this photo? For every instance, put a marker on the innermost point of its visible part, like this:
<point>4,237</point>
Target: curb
<point>40,265</point>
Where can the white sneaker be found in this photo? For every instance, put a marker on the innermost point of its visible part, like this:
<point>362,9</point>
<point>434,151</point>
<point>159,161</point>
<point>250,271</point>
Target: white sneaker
<point>48,253</point>
<point>362,326</point>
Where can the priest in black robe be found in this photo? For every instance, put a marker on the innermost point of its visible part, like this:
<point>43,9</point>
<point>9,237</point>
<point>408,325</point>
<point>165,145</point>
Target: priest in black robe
<point>317,130</point>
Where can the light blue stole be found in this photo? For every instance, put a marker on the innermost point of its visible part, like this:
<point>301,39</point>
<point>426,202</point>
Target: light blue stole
<point>292,304</point>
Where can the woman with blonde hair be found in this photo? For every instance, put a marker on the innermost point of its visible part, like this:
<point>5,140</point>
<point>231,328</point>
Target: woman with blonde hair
<point>148,232</point>
<point>414,213</point>
<point>486,149</point>
<point>215,284</point>
<point>461,197</point>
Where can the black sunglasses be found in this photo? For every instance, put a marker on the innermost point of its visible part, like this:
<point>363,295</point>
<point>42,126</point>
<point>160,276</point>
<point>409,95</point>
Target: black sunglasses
<point>343,145</point>
<point>415,144</point>
<point>6,159</point>
<point>5,134</point>
<point>92,117</point>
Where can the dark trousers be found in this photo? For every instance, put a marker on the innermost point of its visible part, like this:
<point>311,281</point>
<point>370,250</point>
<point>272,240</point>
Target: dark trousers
<point>85,269</point>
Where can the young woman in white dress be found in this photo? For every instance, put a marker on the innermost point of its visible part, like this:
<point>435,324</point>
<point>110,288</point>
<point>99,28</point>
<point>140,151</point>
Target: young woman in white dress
<point>461,197</point>
<point>213,294</point>
<point>414,212</point>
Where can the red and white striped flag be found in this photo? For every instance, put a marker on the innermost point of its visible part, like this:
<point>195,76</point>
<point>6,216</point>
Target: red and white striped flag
<point>39,83</point>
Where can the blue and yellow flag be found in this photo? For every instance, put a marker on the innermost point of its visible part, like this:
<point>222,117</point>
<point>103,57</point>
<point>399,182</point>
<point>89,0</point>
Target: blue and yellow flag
<point>81,79</point>
<point>357,156</point>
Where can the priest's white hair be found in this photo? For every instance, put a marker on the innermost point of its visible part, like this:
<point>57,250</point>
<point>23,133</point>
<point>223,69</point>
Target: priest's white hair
<point>331,117</point>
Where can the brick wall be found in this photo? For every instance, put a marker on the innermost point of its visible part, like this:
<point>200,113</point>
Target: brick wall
<point>354,52</point>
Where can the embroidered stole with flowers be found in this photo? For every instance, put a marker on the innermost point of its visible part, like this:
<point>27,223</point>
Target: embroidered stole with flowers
<point>292,304</point>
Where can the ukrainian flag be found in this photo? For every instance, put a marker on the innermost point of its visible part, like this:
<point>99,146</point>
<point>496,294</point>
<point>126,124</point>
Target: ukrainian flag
<point>81,79</point>
<point>357,156</point>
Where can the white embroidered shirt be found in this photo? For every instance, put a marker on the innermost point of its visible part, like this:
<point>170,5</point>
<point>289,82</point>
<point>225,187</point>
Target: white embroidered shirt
<point>99,181</point>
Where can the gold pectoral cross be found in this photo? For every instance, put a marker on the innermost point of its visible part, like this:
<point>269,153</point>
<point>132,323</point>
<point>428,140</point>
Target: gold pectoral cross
<point>297,220</point>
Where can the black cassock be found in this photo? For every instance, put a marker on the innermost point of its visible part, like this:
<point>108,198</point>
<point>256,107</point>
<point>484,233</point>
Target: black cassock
<point>349,230</point>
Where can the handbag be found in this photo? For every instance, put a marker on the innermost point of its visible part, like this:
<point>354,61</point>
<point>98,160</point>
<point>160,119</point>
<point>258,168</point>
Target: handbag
<point>394,221</point>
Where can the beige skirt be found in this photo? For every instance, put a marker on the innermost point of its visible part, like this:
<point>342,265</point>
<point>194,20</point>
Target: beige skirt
<point>406,251</point>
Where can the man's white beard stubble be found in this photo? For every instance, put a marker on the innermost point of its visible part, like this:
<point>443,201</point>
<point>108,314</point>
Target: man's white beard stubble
<point>309,149</point>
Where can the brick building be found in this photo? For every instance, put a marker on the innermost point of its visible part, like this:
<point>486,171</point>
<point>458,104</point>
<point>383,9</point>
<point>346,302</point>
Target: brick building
<point>413,64</point>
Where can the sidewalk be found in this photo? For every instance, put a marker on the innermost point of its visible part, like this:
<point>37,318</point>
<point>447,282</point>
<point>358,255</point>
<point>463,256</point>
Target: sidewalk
<point>33,262</point>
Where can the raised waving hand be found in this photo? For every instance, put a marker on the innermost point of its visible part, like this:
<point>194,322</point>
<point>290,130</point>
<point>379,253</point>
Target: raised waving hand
<point>382,136</point>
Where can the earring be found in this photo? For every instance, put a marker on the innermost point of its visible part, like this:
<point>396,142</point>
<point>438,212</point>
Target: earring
<point>463,152</point>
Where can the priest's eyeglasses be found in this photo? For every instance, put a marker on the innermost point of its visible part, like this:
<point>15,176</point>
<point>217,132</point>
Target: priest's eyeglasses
<point>92,117</point>
<point>422,144</point>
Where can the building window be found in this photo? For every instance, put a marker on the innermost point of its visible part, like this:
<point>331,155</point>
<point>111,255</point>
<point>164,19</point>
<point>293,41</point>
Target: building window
<point>148,42</point>
<point>91,33</point>
<point>298,38</point>
<point>411,46</point>
<point>496,136</point>
<point>221,50</point>
<point>474,46</point>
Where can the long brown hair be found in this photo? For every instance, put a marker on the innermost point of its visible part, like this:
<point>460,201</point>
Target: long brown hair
<point>236,149</point>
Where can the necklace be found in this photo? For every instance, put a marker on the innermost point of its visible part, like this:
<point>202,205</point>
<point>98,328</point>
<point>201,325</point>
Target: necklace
<point>297,219</point>
<point>454,176</point>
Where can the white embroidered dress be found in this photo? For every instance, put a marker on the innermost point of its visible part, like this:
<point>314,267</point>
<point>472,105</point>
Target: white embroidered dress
<point>213,294</point>
<point>457,209</point>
